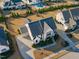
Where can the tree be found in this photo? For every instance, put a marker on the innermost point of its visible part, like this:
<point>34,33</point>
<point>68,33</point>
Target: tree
<point>3,18</point>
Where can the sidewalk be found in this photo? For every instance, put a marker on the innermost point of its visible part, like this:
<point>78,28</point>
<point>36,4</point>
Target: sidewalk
<point>61,53</point>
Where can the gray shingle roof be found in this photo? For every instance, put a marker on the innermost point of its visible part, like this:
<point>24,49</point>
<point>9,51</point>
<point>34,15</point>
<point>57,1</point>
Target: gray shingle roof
<point>35,28</point>
<point>66,15</point>
<point>75,12</point>
<point>3,37</point>
<point>23,29</point>
<point>38,26</point>
<point>9,3</point>
<point>15,1</point>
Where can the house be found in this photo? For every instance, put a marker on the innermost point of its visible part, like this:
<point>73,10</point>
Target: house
<point>12,4</point>
<point>41,29</point>
<point>68,18</point>
<point>36,4</point>
<point>4,44</point>
<point>55,0</point>
<point>32,1</point>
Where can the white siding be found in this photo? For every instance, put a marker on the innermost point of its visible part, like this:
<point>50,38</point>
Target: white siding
<point>30,34</point>
<point>60,18</point>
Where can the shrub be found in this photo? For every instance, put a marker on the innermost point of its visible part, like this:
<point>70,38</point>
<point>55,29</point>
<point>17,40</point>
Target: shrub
<point>43,43</point>
<point>29,12</point>
<point>51,8</point>
<point>15,15</point>
<point>2,18</point>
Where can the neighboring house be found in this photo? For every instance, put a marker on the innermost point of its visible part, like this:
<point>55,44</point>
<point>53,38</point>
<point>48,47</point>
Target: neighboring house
<point>41,29</point>
<point>37,4</point>
<point>12,4</point>
<point>32,1</point>
<point>55,0</point>
<point>4,44</point>
<point>68,18</point>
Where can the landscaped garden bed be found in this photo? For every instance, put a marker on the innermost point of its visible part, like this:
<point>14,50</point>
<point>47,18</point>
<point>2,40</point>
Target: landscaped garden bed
<point>43,43</point>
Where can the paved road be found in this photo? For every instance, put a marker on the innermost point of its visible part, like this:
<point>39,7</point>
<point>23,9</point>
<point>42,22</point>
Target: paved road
<point>71,55</point>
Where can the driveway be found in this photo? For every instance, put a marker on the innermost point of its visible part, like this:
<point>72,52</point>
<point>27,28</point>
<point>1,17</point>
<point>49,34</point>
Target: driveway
<point>23,50</point>
<point>25,47</point>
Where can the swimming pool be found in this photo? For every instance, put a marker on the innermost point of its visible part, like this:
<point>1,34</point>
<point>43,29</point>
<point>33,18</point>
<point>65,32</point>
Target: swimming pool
<point>39,5</point>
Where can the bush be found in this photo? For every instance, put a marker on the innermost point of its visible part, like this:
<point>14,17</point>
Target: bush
<point>52,8</point>
<point>2,18</point>
<point>15,15</point>
<point>43,43</point>
<point>40,10</point>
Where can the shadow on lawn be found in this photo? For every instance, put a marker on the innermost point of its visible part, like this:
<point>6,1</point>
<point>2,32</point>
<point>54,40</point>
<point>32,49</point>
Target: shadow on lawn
<point>61,45</point>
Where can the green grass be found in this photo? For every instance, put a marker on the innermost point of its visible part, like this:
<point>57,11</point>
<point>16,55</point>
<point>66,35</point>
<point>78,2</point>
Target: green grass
<point>2,18</point>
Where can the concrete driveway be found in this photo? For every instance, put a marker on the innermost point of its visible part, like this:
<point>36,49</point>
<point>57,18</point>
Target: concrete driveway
<point>25,47</point>
<point>23,50</point>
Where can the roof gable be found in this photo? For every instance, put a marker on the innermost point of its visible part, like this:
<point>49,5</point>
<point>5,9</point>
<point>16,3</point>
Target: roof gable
<point>46,27</point>
<point>37,27</point>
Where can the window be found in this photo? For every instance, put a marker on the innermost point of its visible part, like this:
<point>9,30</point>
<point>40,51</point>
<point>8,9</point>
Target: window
<point>48,34</point>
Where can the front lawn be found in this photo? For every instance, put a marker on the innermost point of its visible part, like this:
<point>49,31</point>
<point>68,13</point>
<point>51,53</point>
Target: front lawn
<point>43,43</point>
